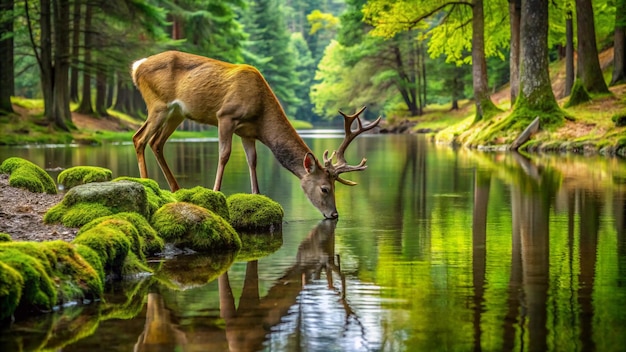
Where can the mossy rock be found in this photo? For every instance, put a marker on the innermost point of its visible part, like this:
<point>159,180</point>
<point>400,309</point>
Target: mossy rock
<point>111,245</point>
<point>188,225</point>
<point>215,201</point>
<point>11,283</point>
<point>87,202</point>
<point>157,197</point>
<point>619,119</point>
<point>254,212</point>
<point>152,243</point>
<point>188,271</point>
<point>79,175</point>
<point>39,291</point>
<point>258,245</point>
<point>26,175</point>
<point>91,257</point>
<point>137,243</point>
<point>5,237</point>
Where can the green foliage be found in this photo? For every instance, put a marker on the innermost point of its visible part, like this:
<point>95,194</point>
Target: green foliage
<point>27,175</point>
<point>206,198</point>
<point>11,284</point>
<point>254,212</point>
<point>188,225</point>
<point>79,175</point>
<point>5,237</point>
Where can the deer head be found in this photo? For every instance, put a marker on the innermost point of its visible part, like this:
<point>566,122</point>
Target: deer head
<point>319,182</point>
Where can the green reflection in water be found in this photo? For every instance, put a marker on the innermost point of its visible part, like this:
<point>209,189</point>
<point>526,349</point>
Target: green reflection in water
<point>435,249</point>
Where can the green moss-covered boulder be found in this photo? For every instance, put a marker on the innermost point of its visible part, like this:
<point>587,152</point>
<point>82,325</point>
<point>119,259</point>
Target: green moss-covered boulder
<point>24,174</point>
<point>188,271</point>
<point>152,243</point>
<point>39,291</point>
<point>188,225</point>
<point>91,257</point>
<point>87,202</point>
<point>252,212</point>
<point>157,197</point>
<point>207,198</point>
<point>111,245</point>
<point>11,284</point>
<point>5,237</point>
<point>258,245</point>
<point>80,175</point>
<point>137,243</point>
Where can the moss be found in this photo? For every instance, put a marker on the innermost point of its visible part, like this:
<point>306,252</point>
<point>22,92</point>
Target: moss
<point>254,211</point>
<point>206,198</point>
<point>111,245</point>
<point>619,119</point>
<point>137,243</point>
<point>578,96</point>
<point>258,245</point>
<point>91,257</point>
<point>11,283</point>
<point>188,225</point>
<point>77,215</point>
<point>156,196</point>
<point>38,291</point>
<point>80,175</point>
<point>24,174</point>
<point>152,243</point>
<point>133,265</point>
<point>5,237</point>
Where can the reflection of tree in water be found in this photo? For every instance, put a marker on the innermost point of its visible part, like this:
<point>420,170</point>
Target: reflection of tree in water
<point>248,325</point>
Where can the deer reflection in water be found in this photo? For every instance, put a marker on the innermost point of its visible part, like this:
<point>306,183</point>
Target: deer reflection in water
<point>248,325</point>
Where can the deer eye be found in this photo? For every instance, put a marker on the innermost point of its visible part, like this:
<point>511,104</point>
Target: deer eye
<point>325,189</point>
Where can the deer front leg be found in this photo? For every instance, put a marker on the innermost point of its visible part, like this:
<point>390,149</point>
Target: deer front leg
<point>250,149</point>
<point>145,133</point>
<point>225,136</point>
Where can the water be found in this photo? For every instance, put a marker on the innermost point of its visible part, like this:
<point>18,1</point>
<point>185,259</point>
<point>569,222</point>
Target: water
<point>435,249</point>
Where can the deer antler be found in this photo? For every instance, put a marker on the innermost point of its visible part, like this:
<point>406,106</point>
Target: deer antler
<point>341,165</point>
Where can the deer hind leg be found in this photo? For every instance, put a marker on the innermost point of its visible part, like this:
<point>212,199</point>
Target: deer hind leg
<point>158,142</point>
<point>145,133</point>
<point>250,149</point>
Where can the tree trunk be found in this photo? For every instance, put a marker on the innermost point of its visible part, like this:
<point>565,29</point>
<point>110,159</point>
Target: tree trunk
<point>569,53</point>
<point>536,97</point>
<point>619,44</point>
<point>514,16</point>
<point>479,65</point>
<point>101,90</point>
<point>61,95</point>
<point>74,73</point>
<point>588,63</point>
<point>7,75</point>
<point>45,61</point>
<point>85,106</point>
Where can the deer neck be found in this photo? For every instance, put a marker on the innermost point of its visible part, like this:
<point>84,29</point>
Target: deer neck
<point>284,142</point>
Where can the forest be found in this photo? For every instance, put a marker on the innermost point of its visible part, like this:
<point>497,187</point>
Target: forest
<point>319,56</point>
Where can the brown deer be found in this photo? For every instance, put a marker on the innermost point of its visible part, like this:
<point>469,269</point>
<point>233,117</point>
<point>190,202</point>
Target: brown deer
<point>236,99</point>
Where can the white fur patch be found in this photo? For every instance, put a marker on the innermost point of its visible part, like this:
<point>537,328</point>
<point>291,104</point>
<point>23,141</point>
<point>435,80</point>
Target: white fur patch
<point>176,103</point>
<point>135,66</point>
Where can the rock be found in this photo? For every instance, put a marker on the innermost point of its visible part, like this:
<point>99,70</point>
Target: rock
<point>254,212</point>
<point>79,175</point>
<point>27,175</point>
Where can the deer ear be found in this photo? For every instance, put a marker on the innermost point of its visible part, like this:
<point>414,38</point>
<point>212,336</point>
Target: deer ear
<point>310,163</point>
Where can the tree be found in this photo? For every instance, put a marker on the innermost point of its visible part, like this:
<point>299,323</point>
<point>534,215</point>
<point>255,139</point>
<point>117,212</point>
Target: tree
<point>536,97</point>
<point>514,19</point>
<point>7,78</point>
<point>619,57</point>
<point>589,69</point>
<point>569,52</point>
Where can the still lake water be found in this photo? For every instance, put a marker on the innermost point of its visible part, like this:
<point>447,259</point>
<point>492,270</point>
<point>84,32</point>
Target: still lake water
<point>435,250</point>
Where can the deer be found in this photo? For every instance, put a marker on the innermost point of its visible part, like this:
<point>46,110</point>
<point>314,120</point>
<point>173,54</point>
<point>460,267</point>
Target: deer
<point>238,100</point>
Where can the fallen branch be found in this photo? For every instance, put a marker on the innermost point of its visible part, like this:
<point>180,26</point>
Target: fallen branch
<point>525,136</point>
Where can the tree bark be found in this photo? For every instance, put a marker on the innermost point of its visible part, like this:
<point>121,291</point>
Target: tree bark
<point>85,106</point>
<point>479,65</point>
<point>7,75</point>
<point>535,88</point>
<point>74,73</point>
<point>514,18</point>
<point>619,44</point>
<point>569,53</point>
<point>61,94</point>
<point>589,69</point>
<point>45,60</point>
